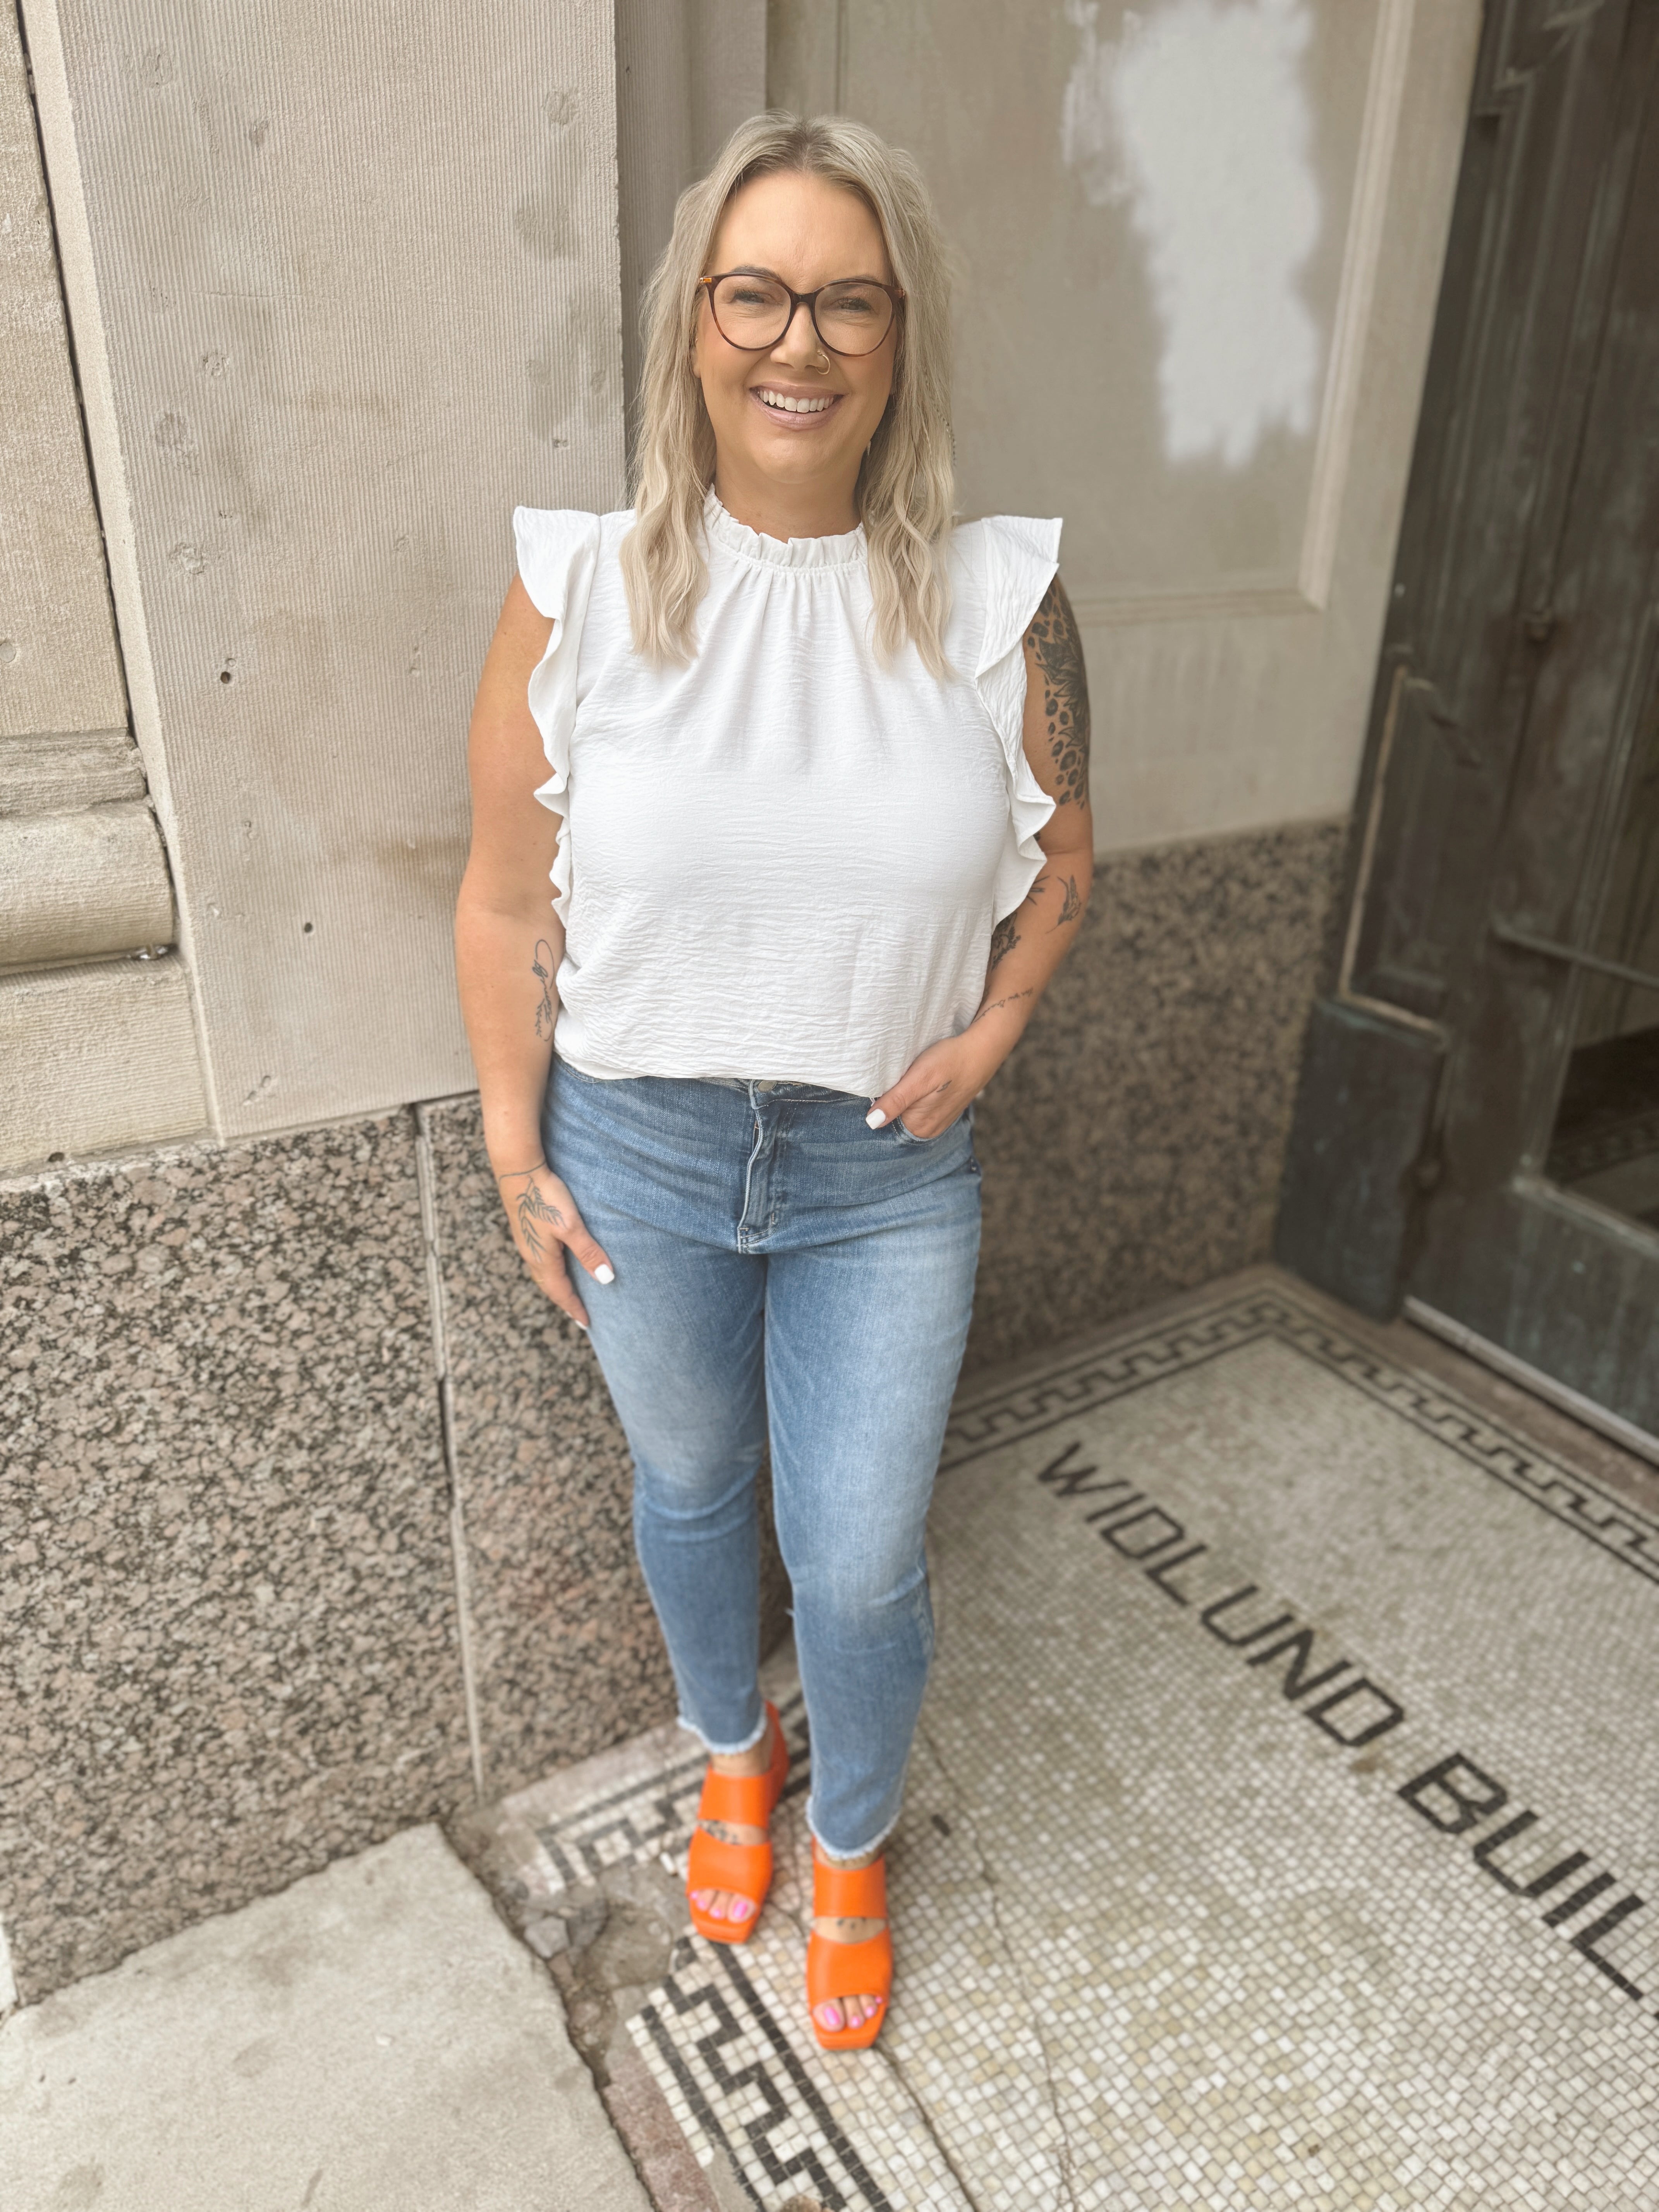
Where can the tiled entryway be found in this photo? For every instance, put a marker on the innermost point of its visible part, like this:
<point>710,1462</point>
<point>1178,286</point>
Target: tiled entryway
<point>1279,1833</point>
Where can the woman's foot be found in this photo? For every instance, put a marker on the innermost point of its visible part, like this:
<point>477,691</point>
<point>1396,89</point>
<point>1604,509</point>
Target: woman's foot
<point>850,2019</point>
<point>849,2012</point>
<point>730,1906</point>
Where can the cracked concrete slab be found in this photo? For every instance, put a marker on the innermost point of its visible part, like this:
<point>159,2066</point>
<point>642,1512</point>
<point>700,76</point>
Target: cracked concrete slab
<point>372,2040</point>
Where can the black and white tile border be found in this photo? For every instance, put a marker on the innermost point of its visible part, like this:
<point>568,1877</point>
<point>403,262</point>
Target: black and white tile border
<point>1096,1379</point>
<point>715,2033</point>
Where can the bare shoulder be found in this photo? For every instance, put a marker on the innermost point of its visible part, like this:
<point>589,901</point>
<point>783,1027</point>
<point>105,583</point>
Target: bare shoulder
<point>522,630</point>
<point>1057,700</point>
<point>505,757</point>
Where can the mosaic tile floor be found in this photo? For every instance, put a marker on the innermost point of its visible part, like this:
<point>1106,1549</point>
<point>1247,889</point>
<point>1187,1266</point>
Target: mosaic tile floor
<point>1286,1797</point>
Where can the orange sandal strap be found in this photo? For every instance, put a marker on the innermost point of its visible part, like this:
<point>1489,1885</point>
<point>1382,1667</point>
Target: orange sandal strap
<point>746,1800</point>
<point>744,1868</point>
<point>848,1970</point>
<point>849,1893</point>
<point>742,1800</point>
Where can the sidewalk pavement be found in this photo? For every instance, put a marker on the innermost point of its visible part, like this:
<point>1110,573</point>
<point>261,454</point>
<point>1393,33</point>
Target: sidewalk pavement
<point>371,2040</point>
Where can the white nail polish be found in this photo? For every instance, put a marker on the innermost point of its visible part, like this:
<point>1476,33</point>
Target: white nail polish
<point>604,1273</point>
<point>875,1118</point>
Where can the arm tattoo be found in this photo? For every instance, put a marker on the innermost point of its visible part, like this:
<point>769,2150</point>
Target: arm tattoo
<point>532,1208</point>
<point>1004,938</point>
<point>1071,905</point>
<point>542,965</point>
<point>1011,1000</point>
<point>1058,649</point>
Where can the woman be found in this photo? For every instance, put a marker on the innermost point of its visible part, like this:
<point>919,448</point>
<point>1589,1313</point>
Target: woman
<point>817,825</point>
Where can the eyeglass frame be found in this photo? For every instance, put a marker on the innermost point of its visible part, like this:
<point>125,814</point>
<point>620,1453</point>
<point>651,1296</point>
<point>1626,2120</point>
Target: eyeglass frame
<point>896,292</point>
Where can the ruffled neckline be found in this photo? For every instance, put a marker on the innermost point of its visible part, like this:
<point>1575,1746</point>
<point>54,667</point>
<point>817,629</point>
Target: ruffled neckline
<point>846,551</point>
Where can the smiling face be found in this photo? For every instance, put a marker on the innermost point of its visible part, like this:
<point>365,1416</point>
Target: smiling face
<point>791,422</point>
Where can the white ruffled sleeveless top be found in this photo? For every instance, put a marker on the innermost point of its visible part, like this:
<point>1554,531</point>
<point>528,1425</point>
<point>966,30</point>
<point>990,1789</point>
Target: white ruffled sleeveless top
<point>784,860</point>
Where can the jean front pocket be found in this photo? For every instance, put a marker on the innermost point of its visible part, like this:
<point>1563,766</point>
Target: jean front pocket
<point>904,1136</point>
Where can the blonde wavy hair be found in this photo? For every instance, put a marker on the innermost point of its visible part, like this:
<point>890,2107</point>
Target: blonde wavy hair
<point>906,486</point>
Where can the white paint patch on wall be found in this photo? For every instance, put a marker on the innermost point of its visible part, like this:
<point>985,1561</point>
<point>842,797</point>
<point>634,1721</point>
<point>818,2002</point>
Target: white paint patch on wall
<point>1197,117</point>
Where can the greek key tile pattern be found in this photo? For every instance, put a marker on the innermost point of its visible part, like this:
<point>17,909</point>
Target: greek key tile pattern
<point>1279,1833</point>
<point>1095,1381</point>
<point>631,1822</point>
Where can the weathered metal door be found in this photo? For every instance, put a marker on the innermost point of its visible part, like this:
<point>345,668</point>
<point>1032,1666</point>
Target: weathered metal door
<point>1502,876</point>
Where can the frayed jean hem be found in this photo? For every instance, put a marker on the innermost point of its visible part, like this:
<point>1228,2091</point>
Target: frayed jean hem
<point>725,1750</point>
<point>843,1858</point>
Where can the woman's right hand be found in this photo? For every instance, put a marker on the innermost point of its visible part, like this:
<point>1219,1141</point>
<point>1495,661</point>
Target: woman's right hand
<point>545,1225</point>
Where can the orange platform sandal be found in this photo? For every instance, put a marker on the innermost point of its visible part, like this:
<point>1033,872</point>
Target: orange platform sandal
<point>848,1970</point>
<point>738,1801</point>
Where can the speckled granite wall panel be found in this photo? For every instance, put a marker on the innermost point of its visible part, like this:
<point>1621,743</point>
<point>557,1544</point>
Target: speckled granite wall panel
<point>566,1653</point>
<point>1132,1146</point>
<point>228,1641</point>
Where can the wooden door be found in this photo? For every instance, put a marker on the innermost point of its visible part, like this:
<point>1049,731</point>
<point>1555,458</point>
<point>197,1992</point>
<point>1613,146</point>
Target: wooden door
<point>1506,761</point>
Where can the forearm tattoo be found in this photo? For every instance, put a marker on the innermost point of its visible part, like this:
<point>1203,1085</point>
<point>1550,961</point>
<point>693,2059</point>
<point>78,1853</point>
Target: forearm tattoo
<point>1012,999</point>
<point>542,966</point>
<point>1004,938</point>
<point>1053,640</point>
<point>1071,905</point>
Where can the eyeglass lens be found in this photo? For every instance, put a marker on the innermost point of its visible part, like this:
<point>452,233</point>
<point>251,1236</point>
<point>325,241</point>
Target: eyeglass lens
<point>753,312</point>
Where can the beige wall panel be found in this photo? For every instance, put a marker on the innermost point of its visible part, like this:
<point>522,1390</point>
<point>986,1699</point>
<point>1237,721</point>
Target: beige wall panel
<point>76,885</point>
<point>93,1059</point>
<point>58,668</point>
<point>727,70</point>
<point>353,275</point>
<point>1201,245</point>
<point>687,72</point>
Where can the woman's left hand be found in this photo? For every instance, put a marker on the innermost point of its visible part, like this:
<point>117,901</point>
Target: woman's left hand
<point>940,1082</point>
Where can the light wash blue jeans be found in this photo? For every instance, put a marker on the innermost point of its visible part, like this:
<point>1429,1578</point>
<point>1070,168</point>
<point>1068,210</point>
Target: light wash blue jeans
<point>780,1263</point>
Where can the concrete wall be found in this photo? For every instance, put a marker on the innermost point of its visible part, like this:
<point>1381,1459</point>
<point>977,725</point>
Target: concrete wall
<point>687,72</point>
<point>1201,245</point>
<point>99,1046</point>
<point>344,288</point>
<point>318,1512</point>
<point>60,672</point>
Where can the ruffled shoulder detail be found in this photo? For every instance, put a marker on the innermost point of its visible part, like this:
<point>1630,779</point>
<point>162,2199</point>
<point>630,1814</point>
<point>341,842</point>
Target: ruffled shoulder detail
<point>558,550</point>
<point>1014,558</point>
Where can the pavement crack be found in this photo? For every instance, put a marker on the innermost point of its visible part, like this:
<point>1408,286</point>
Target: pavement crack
<point>933,2136</point>
<point>1067,2164</point>
<point>803,1925</point>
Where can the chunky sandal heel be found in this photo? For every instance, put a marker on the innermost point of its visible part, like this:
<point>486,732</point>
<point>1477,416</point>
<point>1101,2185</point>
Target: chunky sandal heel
<point>848,1970</point>
<point>744,1801</point>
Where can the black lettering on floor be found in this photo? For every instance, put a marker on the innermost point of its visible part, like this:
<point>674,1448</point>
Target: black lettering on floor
<point>1453,1795</point>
